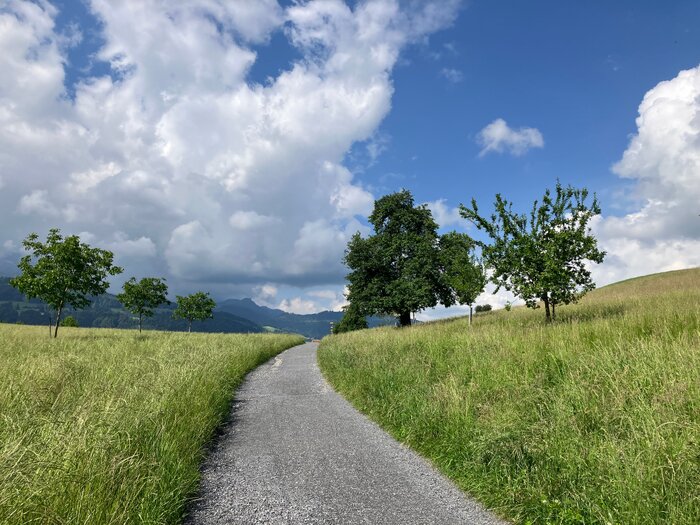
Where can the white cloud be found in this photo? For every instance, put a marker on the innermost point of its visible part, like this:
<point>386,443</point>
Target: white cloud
<point>297,305</point>
<point>663,158</point>
<point>212,177</point>
<point>445,215</point>
<point>499,137</point>
<point>455,76</point>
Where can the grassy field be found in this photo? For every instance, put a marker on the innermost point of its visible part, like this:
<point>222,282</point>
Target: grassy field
<point>109,426</point>
<point>595,419</point>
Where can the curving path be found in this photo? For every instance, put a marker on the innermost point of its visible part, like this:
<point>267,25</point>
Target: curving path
<point>297,452</point>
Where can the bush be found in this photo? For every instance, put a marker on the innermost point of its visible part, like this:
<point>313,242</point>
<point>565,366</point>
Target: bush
<point>70,321</point>
<point>483,308</point>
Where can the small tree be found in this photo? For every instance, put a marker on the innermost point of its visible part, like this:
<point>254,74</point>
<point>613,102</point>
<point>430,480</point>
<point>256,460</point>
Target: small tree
<point>487,307</point>
<point>543,256</point>
<point>352,320</point>
<point>63,272</point>
<point>195,307</point>
<point>142,297</point>
<point>464,273</point>
<point>70,321</point>
<point>397,270</point>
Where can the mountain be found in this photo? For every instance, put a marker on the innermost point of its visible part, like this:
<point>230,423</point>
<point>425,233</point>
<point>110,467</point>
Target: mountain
<point>107,312</point>
<point>230,316</point>
<point>311,325</point>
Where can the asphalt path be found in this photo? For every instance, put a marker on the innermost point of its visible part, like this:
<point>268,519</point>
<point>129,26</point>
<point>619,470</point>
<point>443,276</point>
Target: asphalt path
<point>296,452</point>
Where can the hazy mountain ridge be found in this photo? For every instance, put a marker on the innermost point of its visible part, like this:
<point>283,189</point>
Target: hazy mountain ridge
<point>230,316</point>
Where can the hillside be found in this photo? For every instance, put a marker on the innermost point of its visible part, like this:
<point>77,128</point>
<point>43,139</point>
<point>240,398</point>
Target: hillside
<point>230,316</point>
<point>107,312</point>
<point>593,419</point>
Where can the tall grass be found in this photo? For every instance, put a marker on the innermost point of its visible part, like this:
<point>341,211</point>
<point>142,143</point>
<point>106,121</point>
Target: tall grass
<point>595,419</point>
<point>107,426</point>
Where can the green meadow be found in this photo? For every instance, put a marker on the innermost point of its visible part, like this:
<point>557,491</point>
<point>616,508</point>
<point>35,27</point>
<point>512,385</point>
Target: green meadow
<point>592,419</point>
<point>109,426</point>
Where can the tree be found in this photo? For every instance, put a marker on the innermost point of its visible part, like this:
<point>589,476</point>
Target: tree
<point>398,270</point>
<point>543,256</point>
<point>195,307</point>
<point>63,272</point>
<point>464,273</point>
<point>352,320</point>
<point>70,321</point>
<point>142,297</point>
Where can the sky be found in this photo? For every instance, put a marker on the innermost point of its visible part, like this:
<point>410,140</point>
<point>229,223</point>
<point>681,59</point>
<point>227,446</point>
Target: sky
<point>235,146</point>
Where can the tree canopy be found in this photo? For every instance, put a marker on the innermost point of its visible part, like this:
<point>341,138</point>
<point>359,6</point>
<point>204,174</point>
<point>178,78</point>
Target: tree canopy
<point>463,271</point>
<point>142,297</point>
<point>352,320</point>
<point>542,256</point>
<point>400,269</point>
<point>63,272</point>
<point>195,307</point>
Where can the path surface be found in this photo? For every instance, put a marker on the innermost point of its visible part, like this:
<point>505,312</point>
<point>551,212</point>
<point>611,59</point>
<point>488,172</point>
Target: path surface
<point>297,452</point>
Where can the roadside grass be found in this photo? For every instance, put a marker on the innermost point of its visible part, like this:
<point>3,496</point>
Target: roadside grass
<point>109,426</point>
<point>595,419</point>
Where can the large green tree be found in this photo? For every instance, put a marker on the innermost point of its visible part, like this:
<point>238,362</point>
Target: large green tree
<point>464,272</point>
<point>398,270</point>
<point>63,272</point>
<point>543,256</point>
<point>142,297</point>
<point>195,307</point>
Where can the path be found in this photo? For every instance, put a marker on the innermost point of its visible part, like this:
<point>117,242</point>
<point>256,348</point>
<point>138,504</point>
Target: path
<point>297,452</point>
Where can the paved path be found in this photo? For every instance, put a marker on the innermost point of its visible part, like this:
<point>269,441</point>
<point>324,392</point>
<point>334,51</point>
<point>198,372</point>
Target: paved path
<point>297,452</point>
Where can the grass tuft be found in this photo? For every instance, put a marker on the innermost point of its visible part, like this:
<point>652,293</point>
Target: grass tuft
<point>109,426</point>
<point>595,419</point>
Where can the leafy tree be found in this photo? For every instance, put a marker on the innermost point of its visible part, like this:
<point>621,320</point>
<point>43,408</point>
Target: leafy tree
<point>195,307</point>
<point>487,307</point>
<point>142,297</point>
<point>398,270</point>
<point>543,256</point>
<point>63,272</point>
<point>70,321</point>
<point>352,320</point>
<point>464,273</point>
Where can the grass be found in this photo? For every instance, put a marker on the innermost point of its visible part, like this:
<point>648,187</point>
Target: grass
<point>594,419</point>
<point>109,426</point>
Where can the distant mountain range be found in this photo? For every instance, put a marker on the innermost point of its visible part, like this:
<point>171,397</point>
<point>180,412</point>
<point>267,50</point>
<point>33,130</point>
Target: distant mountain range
<point>230,316</point>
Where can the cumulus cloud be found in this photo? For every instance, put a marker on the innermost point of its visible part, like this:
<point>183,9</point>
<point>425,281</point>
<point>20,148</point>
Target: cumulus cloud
<point>214,177</point>
<point>443,214</point>
<point>499,137</point>
<point>663,160</point>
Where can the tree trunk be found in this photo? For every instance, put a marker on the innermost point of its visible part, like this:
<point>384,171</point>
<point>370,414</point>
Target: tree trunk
<point>58,320</point>
<point>189,326</point>
<point>140,321</point>
<point>470,315</point>
<point>405,319</point>
<point>545,299</point>
<point>554,315</point>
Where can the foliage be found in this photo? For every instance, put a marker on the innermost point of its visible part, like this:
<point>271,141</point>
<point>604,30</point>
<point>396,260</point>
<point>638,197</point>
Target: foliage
<point>195,307</point>
<point>593,420</point>
<point>143,297</point>
<point>352,320</point>
<point>398,270</point>
<point>69,321</point>
<point>483,308</point>
<point>463,272</point>
<point>108,426</point>
<point>63,272</point>
<point>543,256</point>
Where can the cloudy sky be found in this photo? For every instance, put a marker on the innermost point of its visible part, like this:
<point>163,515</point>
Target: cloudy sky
<point>234,146</point>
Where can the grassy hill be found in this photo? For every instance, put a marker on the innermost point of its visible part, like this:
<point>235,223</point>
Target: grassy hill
<point>594,419</point>
<point>109,426</point>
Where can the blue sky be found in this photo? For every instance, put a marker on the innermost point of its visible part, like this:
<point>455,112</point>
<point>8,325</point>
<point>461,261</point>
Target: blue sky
<point>235,146</point>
